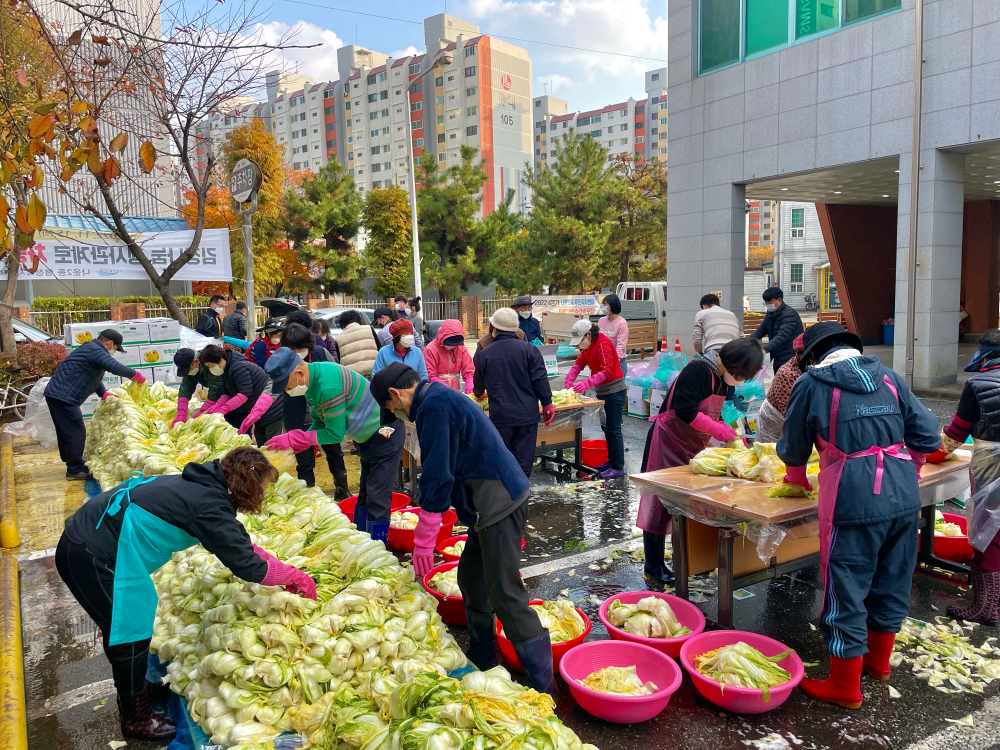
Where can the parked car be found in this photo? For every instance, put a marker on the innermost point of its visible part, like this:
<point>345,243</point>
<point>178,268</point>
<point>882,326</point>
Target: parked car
<point>332,314</point>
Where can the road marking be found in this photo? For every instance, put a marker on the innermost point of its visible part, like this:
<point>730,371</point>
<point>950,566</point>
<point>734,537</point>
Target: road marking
<point>73,698</point>
<point>551,566</point>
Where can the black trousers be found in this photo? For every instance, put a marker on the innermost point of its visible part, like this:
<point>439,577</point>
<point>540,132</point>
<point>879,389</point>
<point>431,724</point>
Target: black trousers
<point>380,459</point>
<point>71,433</point>
<point>490,579</point>
<point>520,441</point>
<point>264,432</point>
<point>296,417</point>
<point>92,582</point>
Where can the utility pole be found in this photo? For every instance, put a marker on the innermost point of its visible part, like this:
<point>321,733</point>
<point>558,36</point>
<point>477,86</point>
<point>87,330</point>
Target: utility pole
<point>244,184</point>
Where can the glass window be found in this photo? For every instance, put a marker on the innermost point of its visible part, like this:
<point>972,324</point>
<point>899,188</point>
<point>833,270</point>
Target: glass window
<point>815,16</point>
<point>858,9</point>
<point>767,25</point>
<point>720,33</point>
<point>798,218</point>
<point>796,273</point>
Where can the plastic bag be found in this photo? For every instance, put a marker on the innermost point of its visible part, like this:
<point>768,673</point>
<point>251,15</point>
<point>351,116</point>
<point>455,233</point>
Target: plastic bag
<point>37,422</point>
<point>730,414</point>
<point>672,361</point>
<point>565,351</point>
<point>641,370</point>
<point>983,508</point>
<point>664,385</point>
<point>752,390</point>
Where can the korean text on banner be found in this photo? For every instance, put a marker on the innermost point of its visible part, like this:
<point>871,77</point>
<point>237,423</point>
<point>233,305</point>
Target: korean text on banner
<point>107,258</point>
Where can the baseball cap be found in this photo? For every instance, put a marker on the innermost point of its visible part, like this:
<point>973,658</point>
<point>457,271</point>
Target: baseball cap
<point>580,329</point>
<point>279,366</point>
<point>272,325</point>
<point>183,360</point>
<point>382,381</point>
<point>524,299</point>
<point>112,335</point>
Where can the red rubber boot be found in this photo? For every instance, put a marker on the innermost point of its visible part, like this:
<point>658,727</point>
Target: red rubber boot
<point>876,661</point>
<point>842,687</point>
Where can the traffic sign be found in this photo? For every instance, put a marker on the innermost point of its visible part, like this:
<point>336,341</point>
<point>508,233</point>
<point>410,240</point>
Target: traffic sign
<point>245,180</point>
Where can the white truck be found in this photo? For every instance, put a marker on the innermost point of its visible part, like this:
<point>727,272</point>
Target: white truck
<point>644,306</point>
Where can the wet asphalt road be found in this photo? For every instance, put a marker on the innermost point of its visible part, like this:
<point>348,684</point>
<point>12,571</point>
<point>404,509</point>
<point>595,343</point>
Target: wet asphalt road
<point>575,529</point>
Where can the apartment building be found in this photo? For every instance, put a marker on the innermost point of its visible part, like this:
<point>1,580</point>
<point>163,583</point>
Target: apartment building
<point>634,126</point>
<point>761,223</point>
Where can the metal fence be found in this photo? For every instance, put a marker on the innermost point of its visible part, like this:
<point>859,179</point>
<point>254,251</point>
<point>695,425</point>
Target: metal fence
<point>439,309</point>
<point>52,321</point>
<point>490,306</point>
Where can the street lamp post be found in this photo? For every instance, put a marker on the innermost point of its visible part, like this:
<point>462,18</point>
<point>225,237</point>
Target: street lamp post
<point>444,59</point>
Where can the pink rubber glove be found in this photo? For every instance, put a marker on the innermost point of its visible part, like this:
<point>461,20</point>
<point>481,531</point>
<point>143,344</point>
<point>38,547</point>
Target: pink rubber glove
<point>217,406</point>
<point>797,475</point>
<point>571,376</point>
<point>104,396</point>
<point>264,401</point>
<point>548,414</point>
<point>234,403</point>
<point>424,538</point>
<point>294,440</point>
<point>206,408</point>
<point>469,386</point>
<point>719,430</point>
<point>591,382</point>
<point>919,459</point>
<point>139,378</point>
<point>282,574</point>
<point>182,411</point>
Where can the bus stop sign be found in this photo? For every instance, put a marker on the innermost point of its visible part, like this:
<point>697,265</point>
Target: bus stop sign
<point>245,180</point>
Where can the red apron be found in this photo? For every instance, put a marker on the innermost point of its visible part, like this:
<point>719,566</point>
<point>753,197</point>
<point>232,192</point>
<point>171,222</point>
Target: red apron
<point>831,462</point>
<point>674,443</point>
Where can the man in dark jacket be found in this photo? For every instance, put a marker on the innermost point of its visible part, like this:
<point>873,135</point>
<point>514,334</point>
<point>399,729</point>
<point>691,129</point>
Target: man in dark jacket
<point>513,373</point>
<point>243,384</point>
<point>781,325</point>
<point>873,436</point>
<point>76,377</point>
<point>526,321</point>
<point>210,322</point>
<point>235,324</point>
<point>465,465</point>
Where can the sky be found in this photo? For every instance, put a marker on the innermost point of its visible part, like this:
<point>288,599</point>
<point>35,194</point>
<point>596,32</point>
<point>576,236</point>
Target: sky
<point>568,40</point>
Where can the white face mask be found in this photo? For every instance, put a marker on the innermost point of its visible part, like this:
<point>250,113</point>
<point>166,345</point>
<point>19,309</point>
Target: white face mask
<point>406,341</point>
<point>525,314</point>
<point>193,371</point>
<point>302,354</point>
<point>220,310</point>
<point>400,307</point>
<point>584,344</point>
<point>770,307</point>
<point>299,390</point>
<point>216,370</point>
<point>607,310</point>
<point>276,340</point>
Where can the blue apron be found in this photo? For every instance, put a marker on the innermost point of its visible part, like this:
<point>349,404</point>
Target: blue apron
<point>145,544</point>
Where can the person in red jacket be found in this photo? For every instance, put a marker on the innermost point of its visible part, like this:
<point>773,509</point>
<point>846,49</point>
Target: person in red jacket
<point>598,353</point>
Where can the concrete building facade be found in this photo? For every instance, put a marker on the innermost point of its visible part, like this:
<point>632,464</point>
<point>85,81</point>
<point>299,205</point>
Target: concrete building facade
<point>814,101</point>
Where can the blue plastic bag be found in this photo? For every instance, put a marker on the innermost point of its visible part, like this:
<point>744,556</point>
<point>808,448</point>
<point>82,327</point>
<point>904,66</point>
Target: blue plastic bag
<point>752,390</point>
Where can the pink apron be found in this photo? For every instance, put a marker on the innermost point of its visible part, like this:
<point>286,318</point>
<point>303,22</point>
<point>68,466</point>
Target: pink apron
<point>831,462</point>
<point>674,443</point>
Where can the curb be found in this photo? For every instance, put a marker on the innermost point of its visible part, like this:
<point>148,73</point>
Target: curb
<point>13,721</point>
<point>9,536</point>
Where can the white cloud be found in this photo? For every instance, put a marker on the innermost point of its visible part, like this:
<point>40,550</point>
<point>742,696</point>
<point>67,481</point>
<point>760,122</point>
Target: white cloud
<point>585,77</point>
<point>319,62</point>
<point>408,52</point>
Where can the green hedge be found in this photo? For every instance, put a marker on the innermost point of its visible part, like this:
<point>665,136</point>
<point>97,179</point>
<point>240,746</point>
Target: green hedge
<point>72,304</point>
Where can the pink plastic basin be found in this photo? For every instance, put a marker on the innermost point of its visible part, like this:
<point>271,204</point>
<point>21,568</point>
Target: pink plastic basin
<point>451,543</point>
<point>738,699</point>
<point>650,666</point>
<point>451,608</point>
<point>686,613</point>
<point>954,548</point>
<point>558,649</point>
<point>401,540</point>
<point>398,502</point>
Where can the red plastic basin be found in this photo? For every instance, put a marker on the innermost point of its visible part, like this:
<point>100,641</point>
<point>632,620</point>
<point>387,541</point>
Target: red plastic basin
<point>451,542</point>
<point>595,452</point>
<point>685,612</point>
<point>401,540</point>
<point>451,608</point>
<point>740,700</point>
<point>954,548</point>
<point>398,502</point>
<point>558,649</point>
<point>650,666</point>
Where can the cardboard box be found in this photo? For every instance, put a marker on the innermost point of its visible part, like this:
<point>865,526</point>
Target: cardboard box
<point>637,406</point>
<point>656,399</point>
<point>163,330</point>
<point>133,332</point>
<point>155,355</point>
<point>87,407</point>
<point>77,334</point>
<point>166,374</point>
<point>111,381</point>
<point>129,357</point>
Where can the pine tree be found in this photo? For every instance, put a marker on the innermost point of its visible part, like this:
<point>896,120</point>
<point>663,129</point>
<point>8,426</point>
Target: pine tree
<point>638,244</point>
<point>388,249</point>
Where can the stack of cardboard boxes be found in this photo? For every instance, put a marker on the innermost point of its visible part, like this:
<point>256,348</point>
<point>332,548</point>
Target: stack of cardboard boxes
<point>150,345</point>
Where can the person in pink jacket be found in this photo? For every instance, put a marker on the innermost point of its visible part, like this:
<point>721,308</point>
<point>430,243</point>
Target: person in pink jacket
<point>447,359</point>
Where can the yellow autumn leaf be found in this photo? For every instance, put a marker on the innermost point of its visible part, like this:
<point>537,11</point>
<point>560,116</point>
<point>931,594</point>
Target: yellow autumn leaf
<point>111,170</point>
<point>40,125</point>
<point>36,212</point>
<point>147,154</point>
<point>79,107</point>
<point>119,142</point>
<point>88,123</point>
<point>94,163</point>
<point>4,209</point>
<point>67,173</point>
<point>21,219</point>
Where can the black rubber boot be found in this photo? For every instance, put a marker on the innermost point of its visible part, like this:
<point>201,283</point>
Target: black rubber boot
<point>361,517</point>
<point>535,656</point>
<point>654,545</point>
<point>341,489</point>
<point>482,640</point>
<point>138,720</point>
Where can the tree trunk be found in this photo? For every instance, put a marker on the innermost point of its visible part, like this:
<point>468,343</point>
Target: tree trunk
<point>175,311</point>
<point>7,307</point>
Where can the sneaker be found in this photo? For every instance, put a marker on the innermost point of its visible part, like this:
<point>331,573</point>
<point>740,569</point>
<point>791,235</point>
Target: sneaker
<point>603,467</point>
<point>81,476</point>
<point>611,474</point>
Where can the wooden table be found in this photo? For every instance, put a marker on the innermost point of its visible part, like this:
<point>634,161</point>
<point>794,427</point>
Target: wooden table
<point>711,512</point>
